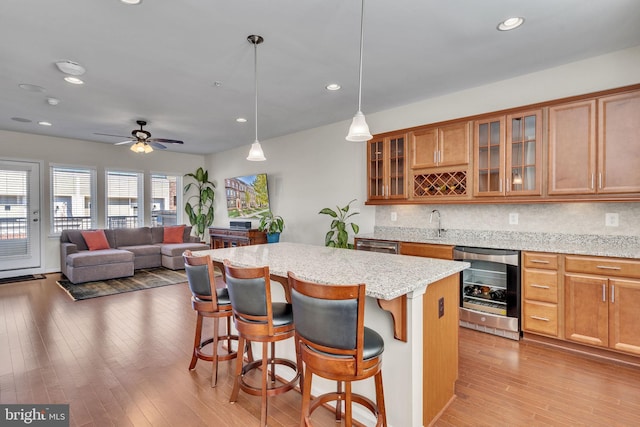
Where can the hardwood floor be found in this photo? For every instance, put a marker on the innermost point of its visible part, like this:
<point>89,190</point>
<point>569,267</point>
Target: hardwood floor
<point>122,360</point>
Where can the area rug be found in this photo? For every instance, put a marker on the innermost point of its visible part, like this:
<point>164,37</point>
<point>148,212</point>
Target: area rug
<point>142,279</point>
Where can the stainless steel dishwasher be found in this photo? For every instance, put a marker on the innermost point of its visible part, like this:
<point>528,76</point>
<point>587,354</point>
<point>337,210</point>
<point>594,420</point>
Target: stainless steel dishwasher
<point>373,245</point>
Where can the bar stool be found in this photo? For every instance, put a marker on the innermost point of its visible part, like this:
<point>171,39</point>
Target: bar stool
<point>258,319</point>
<point>333,343</point>
<point>208,301</point>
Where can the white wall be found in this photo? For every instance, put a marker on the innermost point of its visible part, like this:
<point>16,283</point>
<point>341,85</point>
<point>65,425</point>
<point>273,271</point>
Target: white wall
<point>317,168</point>
<point>48,150</point>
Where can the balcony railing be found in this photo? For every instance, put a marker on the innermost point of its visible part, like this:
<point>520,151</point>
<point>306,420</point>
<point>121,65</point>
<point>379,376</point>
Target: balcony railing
<point>13,228</point>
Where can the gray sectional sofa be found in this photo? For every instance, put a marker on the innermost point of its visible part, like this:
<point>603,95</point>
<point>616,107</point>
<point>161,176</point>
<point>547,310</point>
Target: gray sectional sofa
<point>130,249</point>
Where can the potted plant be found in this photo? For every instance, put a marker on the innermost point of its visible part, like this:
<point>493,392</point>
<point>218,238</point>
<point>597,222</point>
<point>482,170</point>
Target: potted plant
<point>199,207</point>
<point>272,225</point>
<point>338,236</point>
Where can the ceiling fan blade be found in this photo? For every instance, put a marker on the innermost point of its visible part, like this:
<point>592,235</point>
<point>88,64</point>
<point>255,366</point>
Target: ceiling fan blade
<point>129,141</point>
<point>108,134</point>
<point>166,141</point>
<point>156,145</point>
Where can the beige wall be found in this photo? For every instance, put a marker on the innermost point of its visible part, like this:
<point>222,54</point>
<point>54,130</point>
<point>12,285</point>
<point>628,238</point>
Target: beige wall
<point>47,150</point>
<point>317,168</point>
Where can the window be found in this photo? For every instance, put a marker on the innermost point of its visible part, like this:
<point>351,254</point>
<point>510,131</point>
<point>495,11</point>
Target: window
<point>166,196</point>
<point>124,199</point>
<point>72,191</point>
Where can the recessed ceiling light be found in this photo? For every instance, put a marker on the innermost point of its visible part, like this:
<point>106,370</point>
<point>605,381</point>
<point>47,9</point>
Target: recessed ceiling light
<point>31,88</point>
<point>20,119</point>
<point>132,2</point>
<point>241,120</point>
<point>43,123</point>
<point>510,24</point>
<point>53,101</point>
<point>217,84</point>
<point>73,80</point>
<point>70,67</point>
<point>333,86</point>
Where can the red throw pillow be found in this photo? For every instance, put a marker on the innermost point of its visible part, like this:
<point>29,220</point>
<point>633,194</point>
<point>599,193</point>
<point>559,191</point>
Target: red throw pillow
<point>95,240</point>
<point>173,234</point>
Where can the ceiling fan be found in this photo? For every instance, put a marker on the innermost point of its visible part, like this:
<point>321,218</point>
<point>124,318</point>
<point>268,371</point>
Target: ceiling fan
<point>142,141</point>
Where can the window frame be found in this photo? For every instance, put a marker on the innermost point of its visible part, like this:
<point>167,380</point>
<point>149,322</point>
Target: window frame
<point>179,195</point>
<point>140,210</point>
<point>93,196</point>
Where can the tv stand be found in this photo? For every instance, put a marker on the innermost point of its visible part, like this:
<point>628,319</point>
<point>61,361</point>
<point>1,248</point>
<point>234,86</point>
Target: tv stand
<point>225,237</point>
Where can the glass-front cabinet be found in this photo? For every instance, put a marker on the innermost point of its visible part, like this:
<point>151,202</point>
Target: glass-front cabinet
<point>387,167</point>
<point>507,155</point>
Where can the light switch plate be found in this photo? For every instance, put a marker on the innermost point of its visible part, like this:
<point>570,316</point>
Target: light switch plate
<point>513,218</point>
<point>394,216</point>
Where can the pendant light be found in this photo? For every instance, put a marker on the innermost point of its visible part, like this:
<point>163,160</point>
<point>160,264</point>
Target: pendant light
<point>359,130</point>
<point>255,153</point>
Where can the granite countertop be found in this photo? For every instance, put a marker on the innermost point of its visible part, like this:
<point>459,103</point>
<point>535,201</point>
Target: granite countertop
<point>386,276</point>
<point>582,244</point>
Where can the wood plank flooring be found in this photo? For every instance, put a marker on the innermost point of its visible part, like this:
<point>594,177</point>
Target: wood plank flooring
<point>122,360</point>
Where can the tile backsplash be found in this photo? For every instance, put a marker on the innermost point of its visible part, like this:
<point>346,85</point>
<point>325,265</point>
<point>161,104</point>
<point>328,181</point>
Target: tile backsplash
<point>564,218</point>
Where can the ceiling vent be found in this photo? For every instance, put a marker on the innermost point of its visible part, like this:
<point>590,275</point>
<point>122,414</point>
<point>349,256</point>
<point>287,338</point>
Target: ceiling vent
<point>70,67</point>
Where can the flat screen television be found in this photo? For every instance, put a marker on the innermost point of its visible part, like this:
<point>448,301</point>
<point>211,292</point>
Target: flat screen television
<point>247,196</point>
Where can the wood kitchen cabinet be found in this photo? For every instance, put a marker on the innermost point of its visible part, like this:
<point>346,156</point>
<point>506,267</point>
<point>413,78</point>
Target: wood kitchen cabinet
<point>602,302</point>
<point>387,167</point>
<point>427,250</point>
<point>221,237</point>
<point>440,146</point>
<point>508,155</point>
<point>594,146</point>
<point>540,293</point>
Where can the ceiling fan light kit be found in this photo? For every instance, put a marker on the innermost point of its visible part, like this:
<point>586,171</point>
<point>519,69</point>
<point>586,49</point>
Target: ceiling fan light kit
<point>359,130</point>
<point>255,153</point>
<point>70,67</point>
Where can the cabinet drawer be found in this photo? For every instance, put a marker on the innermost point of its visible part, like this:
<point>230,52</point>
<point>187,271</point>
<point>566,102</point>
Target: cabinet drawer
<point>541,260</point>
<point>427,250</point>
<point>540,285</point>
<point>617,267</point>
<point>540,317</point>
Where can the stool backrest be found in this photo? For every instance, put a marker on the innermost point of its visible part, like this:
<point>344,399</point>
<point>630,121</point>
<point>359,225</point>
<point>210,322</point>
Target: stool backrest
<point>201,277</point>
<point>250,295</point>
<point>329,319</point>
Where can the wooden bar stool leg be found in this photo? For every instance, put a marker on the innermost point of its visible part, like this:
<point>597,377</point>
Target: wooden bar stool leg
<point>347,404</point>
<point>339,402</point>
<point>273,362</point>
<point>306,400</point>
<point>214,374</point>
<point>382,411</point>
<point>265,375</point>
<point>196,342</point>
<point>239,361</point>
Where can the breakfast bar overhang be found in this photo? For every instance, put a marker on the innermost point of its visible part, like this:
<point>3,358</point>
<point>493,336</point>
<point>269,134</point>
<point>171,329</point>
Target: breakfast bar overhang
<point>420,362</point>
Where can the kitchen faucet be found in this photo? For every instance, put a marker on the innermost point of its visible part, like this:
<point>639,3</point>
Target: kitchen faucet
<point>436,211</point>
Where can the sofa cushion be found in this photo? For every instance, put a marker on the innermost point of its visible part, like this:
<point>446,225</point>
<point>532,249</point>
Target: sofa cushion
<point>95,240</point>
<point>173,234</point>
<point>142,250</point>
<point>157,234</point>
<point>104,256</point>
<point>132,236</point>
<point>176,249</point>
<point>75,237</point>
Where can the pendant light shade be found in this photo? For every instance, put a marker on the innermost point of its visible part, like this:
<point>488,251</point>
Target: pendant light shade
<point>359,130</point>
<point>255,153</point>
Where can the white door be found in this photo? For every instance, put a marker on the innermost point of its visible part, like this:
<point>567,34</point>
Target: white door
<point>19,218</point>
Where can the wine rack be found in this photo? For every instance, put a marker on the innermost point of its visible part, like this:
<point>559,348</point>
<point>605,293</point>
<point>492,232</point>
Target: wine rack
<point>440,184</point>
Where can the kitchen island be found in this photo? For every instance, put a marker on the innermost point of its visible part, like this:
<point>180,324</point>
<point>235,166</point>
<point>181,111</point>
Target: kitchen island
<point>419,371</point>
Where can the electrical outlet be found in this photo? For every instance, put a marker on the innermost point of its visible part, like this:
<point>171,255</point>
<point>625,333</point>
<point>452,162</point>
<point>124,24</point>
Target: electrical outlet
<point>440,307</point>
<point>611,219</point>
<point>394,216</point>
<point>513,218</point>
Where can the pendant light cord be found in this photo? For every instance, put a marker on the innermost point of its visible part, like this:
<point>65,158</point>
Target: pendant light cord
<point>361,49</point>
<point>255,65</point>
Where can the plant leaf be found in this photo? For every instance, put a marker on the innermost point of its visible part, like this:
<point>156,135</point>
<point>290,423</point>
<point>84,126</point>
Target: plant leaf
<point>329,212</point>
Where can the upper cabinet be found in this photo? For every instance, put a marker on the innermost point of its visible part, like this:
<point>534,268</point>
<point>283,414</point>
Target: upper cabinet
<point>594,146</point>
<point>387,167</point>
<point>507,155</point>
<point>440,146</point>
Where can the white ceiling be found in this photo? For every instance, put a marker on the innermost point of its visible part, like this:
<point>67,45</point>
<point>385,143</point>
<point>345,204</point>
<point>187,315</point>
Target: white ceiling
<point>158,61</point>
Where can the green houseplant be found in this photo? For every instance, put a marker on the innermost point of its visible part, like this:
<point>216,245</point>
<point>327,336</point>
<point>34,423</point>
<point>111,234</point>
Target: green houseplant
<point>338,236</point>
<point>272,225</point>
<point>199,206</point>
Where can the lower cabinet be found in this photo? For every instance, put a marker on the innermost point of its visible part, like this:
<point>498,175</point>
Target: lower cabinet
<point>540,293</point>
<point>427,250</point>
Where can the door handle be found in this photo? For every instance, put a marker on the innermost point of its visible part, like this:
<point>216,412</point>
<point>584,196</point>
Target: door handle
<point>544,319</point>
<point>533,285</point>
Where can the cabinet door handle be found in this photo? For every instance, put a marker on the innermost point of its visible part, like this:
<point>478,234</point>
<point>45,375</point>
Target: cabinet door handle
<point>500,186</point>
<point>508,185</point>
<point>435,157</point>
<point>592,180</point>
<point>533,285</point>
<point>539,261</point>
<point>439,157</point>
<point>544,319</point>
<point>604,292</point>
<point>608,267</point>
<point>600,180</point>
<point>613,294</point>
